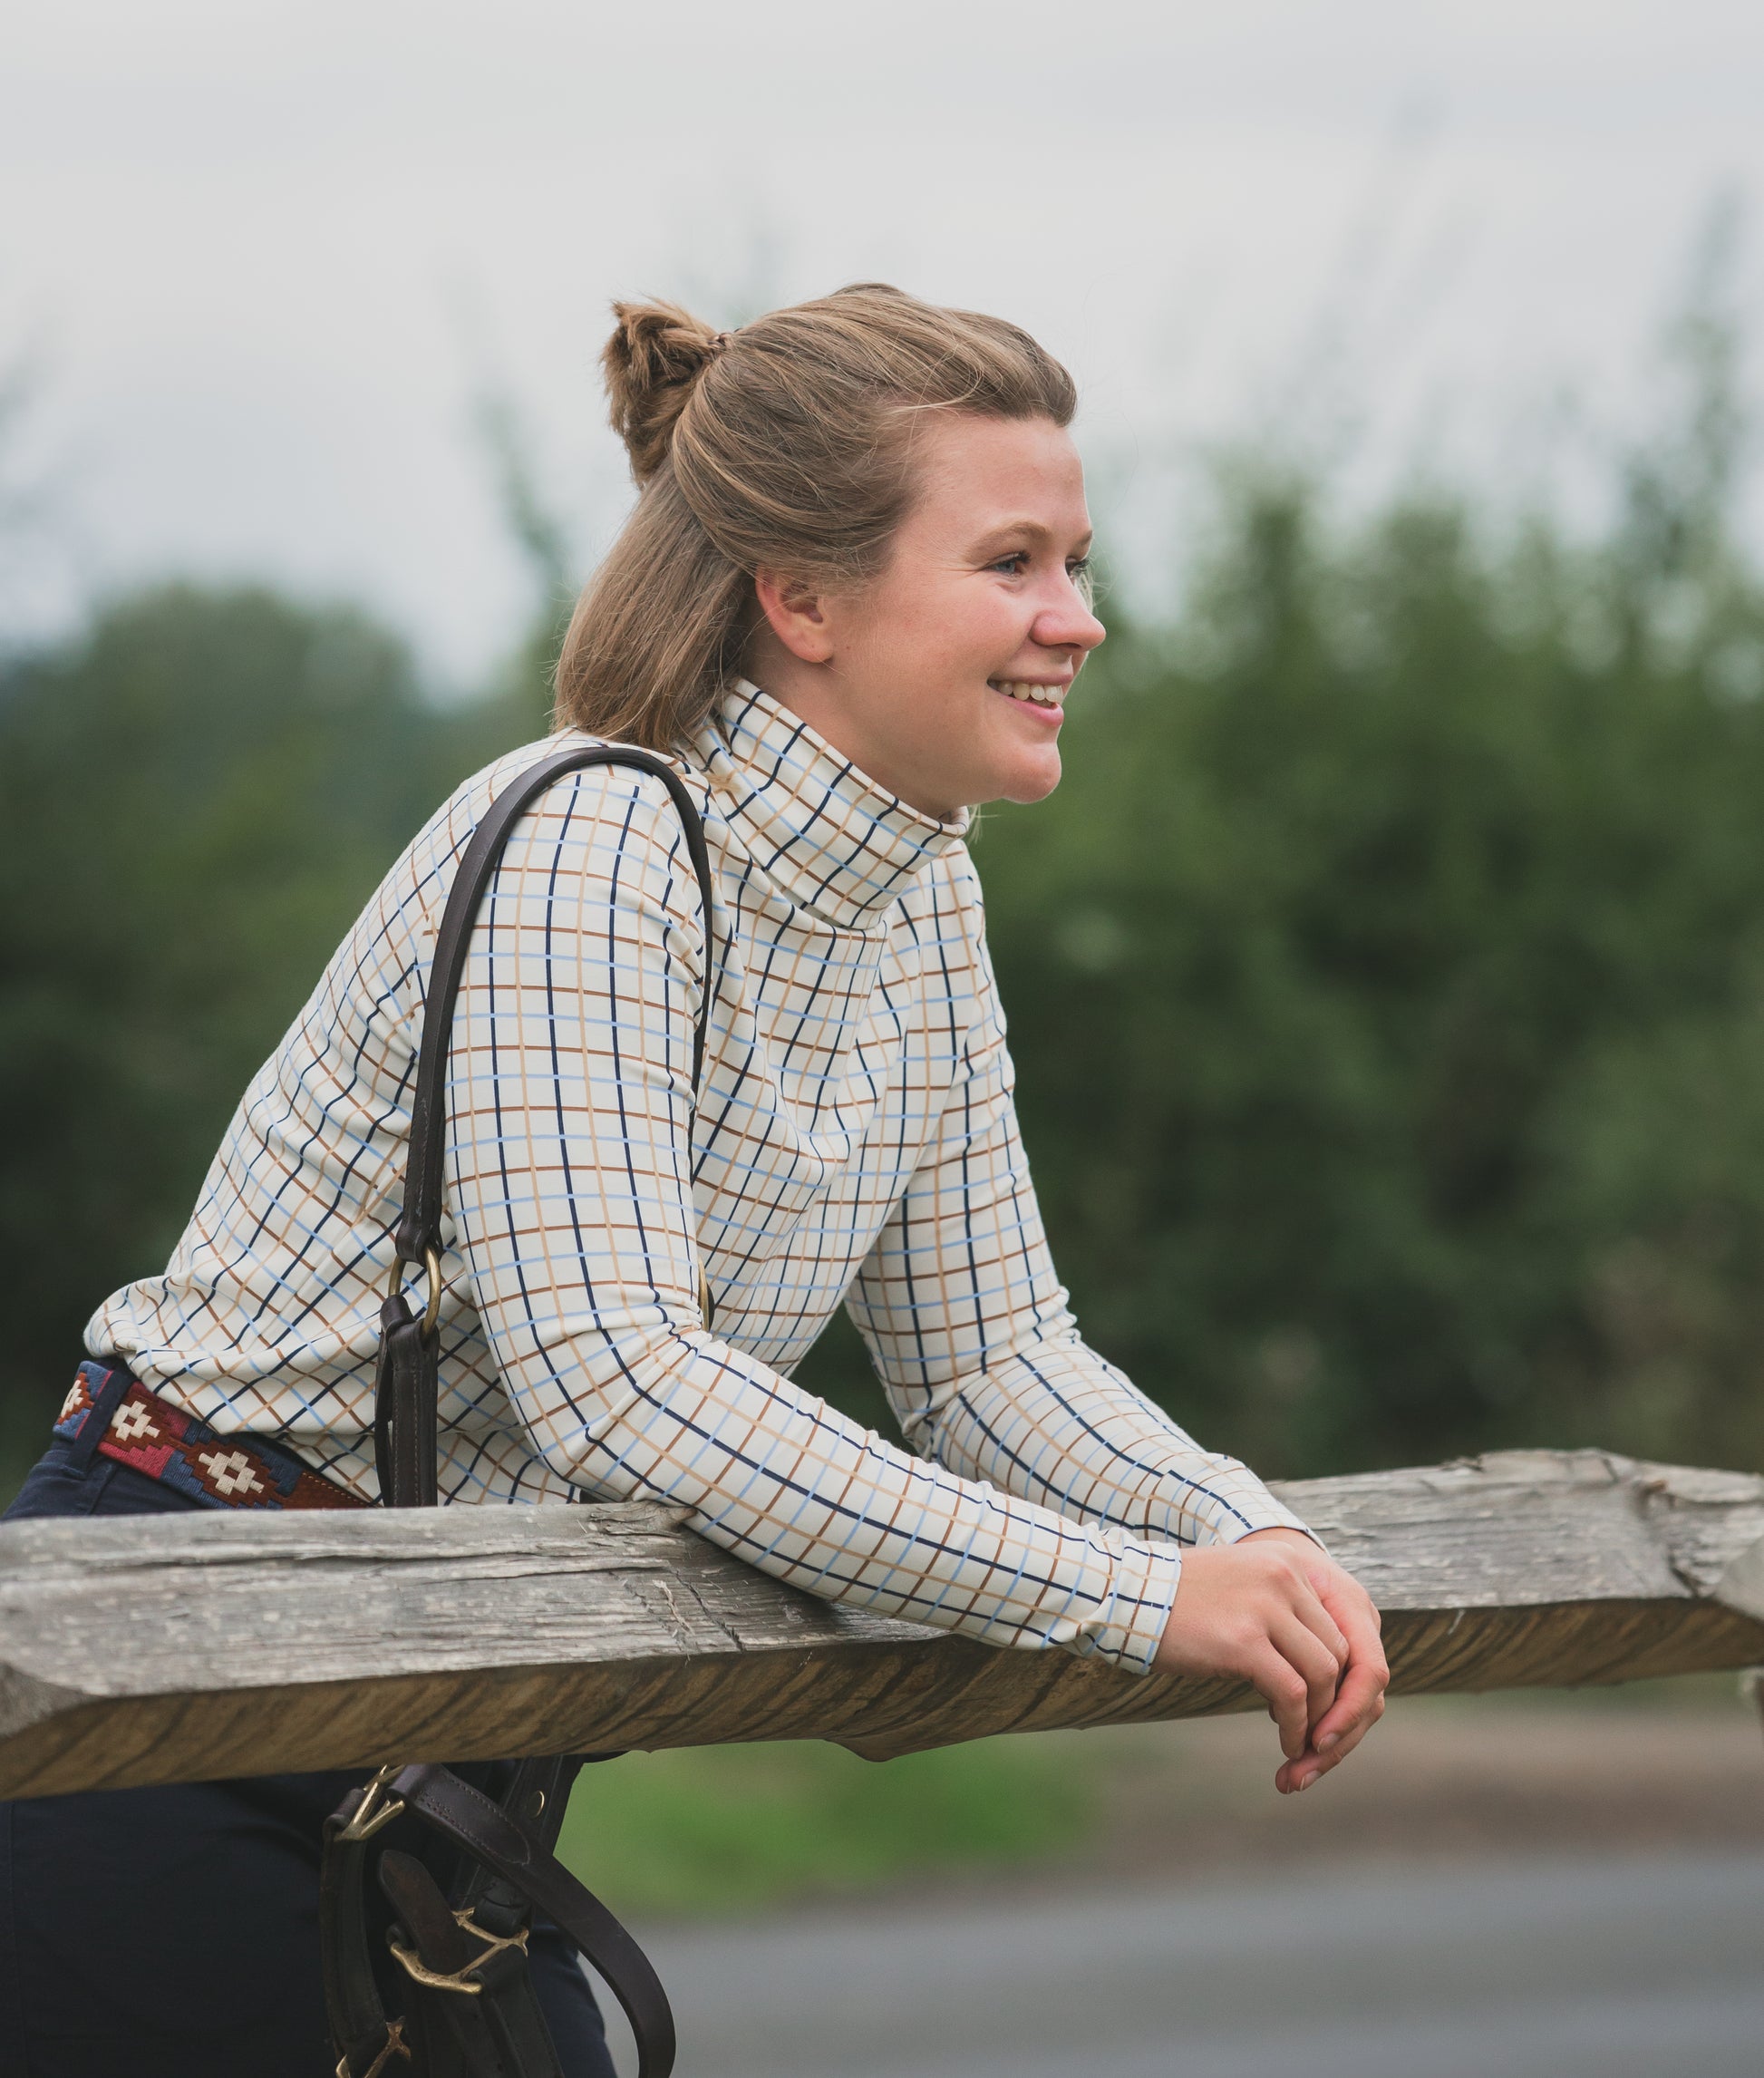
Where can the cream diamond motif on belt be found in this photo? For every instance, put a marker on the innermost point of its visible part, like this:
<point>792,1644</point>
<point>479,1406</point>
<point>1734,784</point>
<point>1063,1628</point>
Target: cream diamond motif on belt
<point>131,1422</point>
<point>230,1471</point>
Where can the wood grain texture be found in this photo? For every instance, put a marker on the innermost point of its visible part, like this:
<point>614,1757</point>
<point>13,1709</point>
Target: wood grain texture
<point>164,1649</point>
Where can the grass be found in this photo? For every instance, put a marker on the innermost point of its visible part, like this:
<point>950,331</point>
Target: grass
<point>715,1830</point>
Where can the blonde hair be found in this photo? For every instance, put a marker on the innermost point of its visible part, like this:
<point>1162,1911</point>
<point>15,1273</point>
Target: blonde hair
<point>787,446</point>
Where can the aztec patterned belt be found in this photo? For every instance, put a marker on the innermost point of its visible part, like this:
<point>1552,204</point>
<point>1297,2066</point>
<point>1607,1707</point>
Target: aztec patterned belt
<point>138,1429</point>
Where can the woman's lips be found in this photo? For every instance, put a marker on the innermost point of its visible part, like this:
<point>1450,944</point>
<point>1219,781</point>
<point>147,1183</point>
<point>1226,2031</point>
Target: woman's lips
<point>1043,700</point>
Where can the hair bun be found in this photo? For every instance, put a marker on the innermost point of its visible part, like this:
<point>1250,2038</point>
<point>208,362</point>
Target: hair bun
<point>652,362</point>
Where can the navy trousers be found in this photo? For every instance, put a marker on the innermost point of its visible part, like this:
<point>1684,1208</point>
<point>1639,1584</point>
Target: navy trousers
<point>173,1933</point>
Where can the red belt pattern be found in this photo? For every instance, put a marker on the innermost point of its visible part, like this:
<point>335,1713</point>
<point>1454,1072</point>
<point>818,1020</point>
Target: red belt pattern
<point>151,1436</point>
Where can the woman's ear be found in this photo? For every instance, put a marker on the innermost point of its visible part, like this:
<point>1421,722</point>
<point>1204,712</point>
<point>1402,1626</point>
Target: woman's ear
<point>795,615</point>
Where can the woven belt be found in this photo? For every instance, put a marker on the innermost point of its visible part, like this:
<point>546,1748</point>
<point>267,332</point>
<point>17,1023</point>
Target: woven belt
<point>111,1412</point>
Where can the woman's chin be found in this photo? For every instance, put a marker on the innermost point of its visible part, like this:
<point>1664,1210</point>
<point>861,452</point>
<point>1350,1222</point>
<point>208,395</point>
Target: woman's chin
<point>1030,778</point>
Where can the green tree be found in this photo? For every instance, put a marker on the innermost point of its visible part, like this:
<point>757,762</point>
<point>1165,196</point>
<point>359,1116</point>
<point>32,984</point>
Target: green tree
<point>1387,985</point>
<point>196,796</point>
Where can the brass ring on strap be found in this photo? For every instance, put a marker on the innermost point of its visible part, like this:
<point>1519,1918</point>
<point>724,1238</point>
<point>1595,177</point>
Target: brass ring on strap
<point>433,1274</point>
<point>432,1312</point>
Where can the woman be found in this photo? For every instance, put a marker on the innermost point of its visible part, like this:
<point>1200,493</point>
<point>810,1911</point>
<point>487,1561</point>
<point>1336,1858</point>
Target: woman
<point>849,605</point>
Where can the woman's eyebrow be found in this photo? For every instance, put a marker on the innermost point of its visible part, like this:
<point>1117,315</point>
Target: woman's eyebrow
<point>1016,531</point>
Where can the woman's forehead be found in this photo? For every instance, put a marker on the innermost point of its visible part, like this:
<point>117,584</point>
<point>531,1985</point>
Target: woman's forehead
<point>991,475</point>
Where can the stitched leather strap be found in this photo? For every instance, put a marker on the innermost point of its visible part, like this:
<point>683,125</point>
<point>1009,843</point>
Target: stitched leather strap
<point>522,1860</point>
<point>406,1390</point>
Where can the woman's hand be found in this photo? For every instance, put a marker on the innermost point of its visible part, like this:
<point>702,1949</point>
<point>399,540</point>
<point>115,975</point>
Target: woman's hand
<point>1276,1611</point>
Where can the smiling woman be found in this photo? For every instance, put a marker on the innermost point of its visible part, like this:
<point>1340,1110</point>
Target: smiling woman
<point>945,676</point>
<point>727,1053</point>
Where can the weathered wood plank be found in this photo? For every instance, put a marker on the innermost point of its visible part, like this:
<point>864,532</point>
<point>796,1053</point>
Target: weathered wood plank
<point>164,1649</point>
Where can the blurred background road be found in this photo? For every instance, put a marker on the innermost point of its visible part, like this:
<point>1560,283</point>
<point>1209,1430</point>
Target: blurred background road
<point>1506,1888</point>
<point>1620,1967</point>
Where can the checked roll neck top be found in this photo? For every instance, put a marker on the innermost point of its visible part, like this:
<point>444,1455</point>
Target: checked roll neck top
<point>823,834</point>
<point>853,1141</point>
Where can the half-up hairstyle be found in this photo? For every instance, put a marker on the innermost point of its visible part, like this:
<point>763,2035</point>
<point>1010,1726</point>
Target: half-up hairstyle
<point>785,446</point>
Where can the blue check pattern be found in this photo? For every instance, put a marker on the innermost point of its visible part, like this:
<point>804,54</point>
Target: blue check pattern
<point>854,1141</point>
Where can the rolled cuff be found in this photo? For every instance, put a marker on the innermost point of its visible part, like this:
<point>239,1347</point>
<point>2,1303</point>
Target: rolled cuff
<point>1132,1626</point>
<point>1270,1515</point>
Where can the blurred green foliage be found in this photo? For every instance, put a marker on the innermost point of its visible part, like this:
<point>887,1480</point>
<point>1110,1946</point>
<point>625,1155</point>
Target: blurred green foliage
<point>1387,988</point>
<point>1386,980</point>
<point>195,798</point>
<point>726,1829</point>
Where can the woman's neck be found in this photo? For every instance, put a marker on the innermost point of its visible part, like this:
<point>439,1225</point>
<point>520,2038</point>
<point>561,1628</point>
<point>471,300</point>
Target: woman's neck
<point>816,695</point>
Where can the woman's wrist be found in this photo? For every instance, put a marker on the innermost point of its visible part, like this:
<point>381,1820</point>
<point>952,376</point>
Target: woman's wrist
<point>1287,1532</point>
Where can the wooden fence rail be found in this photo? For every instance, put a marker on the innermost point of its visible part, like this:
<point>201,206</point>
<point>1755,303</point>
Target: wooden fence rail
<point>165,1649</point>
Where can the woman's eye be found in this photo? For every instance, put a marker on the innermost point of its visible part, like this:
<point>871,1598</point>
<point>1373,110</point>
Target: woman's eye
<point>1013,564</point>
<point>1078,566</point>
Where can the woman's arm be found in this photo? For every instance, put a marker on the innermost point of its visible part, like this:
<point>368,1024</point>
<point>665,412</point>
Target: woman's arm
<point>569,1106</point>
<point>984,1364</point>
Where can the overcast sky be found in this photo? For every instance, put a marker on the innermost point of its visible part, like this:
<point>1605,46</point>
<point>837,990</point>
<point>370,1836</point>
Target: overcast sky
<point>264,253</point>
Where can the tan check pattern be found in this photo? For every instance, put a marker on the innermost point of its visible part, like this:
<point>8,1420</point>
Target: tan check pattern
<point>854,1141</point>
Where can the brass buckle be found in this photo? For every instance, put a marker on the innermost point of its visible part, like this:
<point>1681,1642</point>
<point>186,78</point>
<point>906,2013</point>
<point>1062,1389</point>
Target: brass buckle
<point>371,1813</point>
<point>432,1271</point>
<point>396,2045</point>
<point>455,1981</point>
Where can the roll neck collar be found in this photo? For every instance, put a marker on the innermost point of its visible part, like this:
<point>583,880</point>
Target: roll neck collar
<point>823,831</point>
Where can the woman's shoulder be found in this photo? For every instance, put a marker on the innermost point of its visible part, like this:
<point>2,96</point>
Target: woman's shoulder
<point>618,799</point>
<point>605,832</point>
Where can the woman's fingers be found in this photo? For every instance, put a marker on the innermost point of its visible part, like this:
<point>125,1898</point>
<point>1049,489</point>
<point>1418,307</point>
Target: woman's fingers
<point>1308,1637</point>
<point>1300,1773</point>
<point>1317,1664</point>
<point>1283,1688</point>
<point>1317,1618</point>
<point>1342,1744</point>
<point>1311,1765</point>
<point>1360,1701</point>
<point>1273,1610</point>
<point>1357,1704</point>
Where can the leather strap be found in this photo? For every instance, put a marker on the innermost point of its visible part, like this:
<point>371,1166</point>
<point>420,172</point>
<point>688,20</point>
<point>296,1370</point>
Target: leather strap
<point>483,2008</point>
<point>523,1859</point>
<point>361,2031</point>
<point>420,1227</point>
<point>496,2030</point>
<point>405,1389</point>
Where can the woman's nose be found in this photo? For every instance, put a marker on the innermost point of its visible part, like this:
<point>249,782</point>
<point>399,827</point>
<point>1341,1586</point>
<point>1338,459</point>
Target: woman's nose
<point>1067,623</point>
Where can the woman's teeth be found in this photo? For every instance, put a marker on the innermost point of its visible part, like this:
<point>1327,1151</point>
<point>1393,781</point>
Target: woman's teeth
<point>1038,695</point>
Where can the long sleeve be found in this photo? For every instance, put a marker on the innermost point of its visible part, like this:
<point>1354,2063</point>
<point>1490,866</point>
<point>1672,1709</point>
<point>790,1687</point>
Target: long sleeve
<point>570,1118</point>
<point>970,1331</point>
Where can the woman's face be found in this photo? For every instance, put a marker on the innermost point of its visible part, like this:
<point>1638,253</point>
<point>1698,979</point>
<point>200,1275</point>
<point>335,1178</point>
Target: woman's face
<point>944,678</point>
